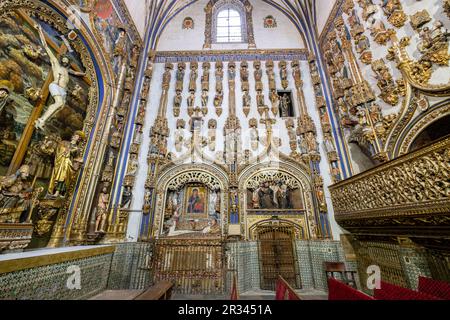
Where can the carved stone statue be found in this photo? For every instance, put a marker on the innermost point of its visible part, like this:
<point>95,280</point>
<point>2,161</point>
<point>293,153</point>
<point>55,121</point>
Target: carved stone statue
<point>67,161</point>
<point>15,189</point>
<point>285,103</point>
<point>127,196</point>
<point>5,90</point>
<point>102,210</point>
<point>193,77</point>
<point>191,100</point>
<point>58,88</point>
<point>205,98</point>
<point>284,74</point>
<point>180,77</point>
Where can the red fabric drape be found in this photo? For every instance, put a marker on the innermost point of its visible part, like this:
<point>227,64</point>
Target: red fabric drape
<point>392,292</point>
<point>338,290</point>
<point>280,290</point>
<point>284,292</point>
<point>234,294</point>
<point>435,288</point>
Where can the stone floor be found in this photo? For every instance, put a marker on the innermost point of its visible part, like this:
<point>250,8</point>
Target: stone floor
<point>306,294</point>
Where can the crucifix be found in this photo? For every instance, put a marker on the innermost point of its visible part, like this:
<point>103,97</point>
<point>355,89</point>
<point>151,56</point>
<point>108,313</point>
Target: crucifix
<point>56,85</point>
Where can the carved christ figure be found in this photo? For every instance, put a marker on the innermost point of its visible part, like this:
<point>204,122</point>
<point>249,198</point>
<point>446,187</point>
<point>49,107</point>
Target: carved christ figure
<point>58,88</point>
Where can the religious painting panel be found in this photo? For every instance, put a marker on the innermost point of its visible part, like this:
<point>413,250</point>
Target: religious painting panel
<point>46,91</point>
<point>193,209</point>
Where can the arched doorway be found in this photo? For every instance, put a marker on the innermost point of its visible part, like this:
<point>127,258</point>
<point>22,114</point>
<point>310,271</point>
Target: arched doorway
<point>277,254</point>
<point>433,132</point>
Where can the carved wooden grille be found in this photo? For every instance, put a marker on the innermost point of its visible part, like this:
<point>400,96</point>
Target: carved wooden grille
<point>384,255</point>
<point>194,265</point>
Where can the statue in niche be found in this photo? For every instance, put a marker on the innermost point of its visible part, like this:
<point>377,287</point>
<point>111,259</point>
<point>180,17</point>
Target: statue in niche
<point>147,201</point>
<point>68,159</point>
<point>258,76</point>
<point>246,102</point>
<point>137,134</point>
<point>231,71</point>
<point>177,100</point>
<point>205,76</point>
<point>244,76</point>
<point>266,196</point>
<point>191,100</point>
<point>127,196</point>
<point>133,165</point>
<point>212,126</point>
<point>260,99</point>
<point>297,74</point>
<point>180,77</point>
<point>284,74</point>
<point>283,195</point>
<point>205,99</point>
<point>167,76</point>
<point>102,210</point>
<point>58,88</point>
<point>179,135</point>
<point>311,142</point>
<point>193,77</point>
<point>219,76</point>
<point>254,139</point>
<point>285,105</point>
<point>218,99</point>
<point>135,53</point>
<point>15,190</point>
<point>328,143</point>
<point>302,144</point>
<point>271,76</point>
<point>120,44</point>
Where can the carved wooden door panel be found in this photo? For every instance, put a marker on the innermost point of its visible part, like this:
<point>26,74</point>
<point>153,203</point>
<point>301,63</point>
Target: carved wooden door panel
<point>277,257</point>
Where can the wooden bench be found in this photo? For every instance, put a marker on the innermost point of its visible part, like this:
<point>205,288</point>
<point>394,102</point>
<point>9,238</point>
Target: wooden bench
<point>160,291</point>
<point>348,277</point>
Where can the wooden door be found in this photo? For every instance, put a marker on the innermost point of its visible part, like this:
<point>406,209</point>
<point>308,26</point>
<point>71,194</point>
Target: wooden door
<point>277,257</point>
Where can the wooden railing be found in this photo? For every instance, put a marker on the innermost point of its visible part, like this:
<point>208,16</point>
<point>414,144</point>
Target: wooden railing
<point>412,190</point>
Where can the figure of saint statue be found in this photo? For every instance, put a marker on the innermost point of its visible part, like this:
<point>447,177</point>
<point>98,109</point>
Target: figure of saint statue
<point>193,80</point>
<point>58,88</point>
<point>5,90</point>
<point>231,72</point>
<point>285,104</point>
<point>102,209</point>
<point>205,98</point>
<point>266,196</point>
<point>127,195</point>
<point>67,161</point>
<point>15,191</point>
<point>246,99</point>
<point>191,100</point>
<point>283,196</point>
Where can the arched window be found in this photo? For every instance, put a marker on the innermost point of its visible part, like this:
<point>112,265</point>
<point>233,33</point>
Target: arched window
<point>229,21</point>
<point>229,26</point>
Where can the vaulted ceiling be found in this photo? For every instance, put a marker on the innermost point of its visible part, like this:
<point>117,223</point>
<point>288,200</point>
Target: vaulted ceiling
<point>159,12</point>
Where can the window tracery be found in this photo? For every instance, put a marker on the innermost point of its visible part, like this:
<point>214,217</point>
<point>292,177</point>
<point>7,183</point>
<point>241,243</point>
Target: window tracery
<point>229,21</point>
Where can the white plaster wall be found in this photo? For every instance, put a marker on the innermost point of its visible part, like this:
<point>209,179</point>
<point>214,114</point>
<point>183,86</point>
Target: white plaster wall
<point>324,8</point>
<point>138,11</point>
<point>279,128</point>
<point>175,38</point>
